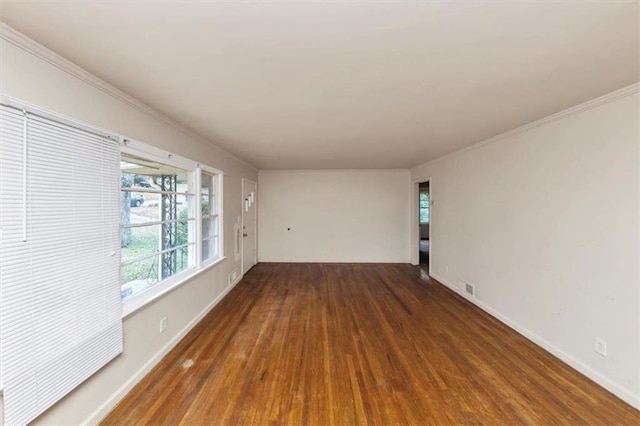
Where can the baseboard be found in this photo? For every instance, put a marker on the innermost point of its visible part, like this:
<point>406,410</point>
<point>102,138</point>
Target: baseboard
<point>102,411</point>
<point>622,393</point>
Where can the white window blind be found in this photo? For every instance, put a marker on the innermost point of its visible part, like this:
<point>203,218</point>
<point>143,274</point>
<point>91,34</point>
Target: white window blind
<point>59,259</point>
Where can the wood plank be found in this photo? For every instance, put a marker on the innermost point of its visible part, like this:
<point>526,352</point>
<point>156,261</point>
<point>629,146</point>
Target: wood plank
<point>349,344</point>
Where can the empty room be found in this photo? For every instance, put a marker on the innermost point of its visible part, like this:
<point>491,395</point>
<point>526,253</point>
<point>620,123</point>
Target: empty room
<point>319,213</point>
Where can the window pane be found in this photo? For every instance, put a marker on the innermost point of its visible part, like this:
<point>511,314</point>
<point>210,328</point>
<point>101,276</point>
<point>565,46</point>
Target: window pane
<point>206,227</point>
<point>182,259</point>
<point>206,249</point>
<point>207,183</point>
<point>176,260</point>
<point>158,193</point>
<point>208,193</point>
<point>183,230</point>
<point>209,227</point>
<point>205,205</point>
<point>183,203</point>
<point>210,248</point>
<point>139,207</point>
<point>139,276</point>
<point>140,242</point>
<point>183,207</point>
<point>210,238</point>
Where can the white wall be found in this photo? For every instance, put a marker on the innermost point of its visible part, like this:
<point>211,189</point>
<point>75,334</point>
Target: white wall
<point>544,222</point>
<point>334,216</point>
<point>31,79</point>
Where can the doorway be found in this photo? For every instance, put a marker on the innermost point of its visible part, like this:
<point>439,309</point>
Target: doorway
<point>424,210</point>
<point>249,224</point>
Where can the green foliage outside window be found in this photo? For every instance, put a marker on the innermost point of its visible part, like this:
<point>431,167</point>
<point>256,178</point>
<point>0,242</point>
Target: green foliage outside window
<point>424,207</point>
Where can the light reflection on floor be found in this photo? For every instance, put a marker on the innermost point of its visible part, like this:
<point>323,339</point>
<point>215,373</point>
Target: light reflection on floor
<point>424,272</point>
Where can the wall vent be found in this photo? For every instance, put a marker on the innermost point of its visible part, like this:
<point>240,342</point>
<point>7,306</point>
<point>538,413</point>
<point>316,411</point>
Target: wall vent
<point>470,289</point>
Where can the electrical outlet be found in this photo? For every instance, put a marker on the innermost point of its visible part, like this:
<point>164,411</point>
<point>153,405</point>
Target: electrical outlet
<point>446,268</point>
<point>600,347</point>
<point>163,324</point>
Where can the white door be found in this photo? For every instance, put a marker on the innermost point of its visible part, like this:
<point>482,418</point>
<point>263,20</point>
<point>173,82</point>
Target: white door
<point>249,228</point>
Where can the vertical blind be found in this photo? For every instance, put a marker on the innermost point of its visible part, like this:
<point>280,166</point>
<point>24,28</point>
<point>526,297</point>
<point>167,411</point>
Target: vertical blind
<point>60,302</point>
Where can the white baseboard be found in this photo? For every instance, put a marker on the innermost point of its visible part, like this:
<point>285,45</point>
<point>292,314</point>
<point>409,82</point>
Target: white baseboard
<point>622,393</point>
<point>102,411</point>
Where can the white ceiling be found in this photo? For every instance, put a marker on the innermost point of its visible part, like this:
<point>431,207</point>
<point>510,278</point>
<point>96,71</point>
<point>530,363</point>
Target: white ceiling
<point>345,84</point>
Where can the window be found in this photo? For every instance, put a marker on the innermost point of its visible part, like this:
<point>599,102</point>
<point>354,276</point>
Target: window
<point>424,207</point>
<point>209,211</point>
<point>157,218</point>
<point>169,221</point>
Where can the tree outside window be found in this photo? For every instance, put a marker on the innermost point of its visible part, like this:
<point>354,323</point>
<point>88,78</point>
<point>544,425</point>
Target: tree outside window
<point>424,207</point>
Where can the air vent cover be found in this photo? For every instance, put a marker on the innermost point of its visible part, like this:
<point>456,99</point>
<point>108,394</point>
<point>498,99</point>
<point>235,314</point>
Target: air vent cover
<point>470,289</point>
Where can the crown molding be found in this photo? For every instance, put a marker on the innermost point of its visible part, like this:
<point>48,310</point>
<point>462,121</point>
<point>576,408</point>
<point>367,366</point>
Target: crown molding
<point>31,46</point>
<point>574,110</point>
<point>327,171</point>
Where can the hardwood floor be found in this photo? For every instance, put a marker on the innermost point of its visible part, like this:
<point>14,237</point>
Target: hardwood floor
<point>355,344</point>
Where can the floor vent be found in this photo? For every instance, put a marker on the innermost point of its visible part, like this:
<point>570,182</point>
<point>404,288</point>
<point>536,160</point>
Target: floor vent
<point>470,289</point>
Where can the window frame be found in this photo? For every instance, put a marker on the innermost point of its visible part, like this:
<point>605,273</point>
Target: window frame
<point>135,148</point>
<point>218,179</point>
<point>160,223</point>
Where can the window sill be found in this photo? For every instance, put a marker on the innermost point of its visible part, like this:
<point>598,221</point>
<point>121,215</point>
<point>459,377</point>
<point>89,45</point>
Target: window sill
<point>138,302</point>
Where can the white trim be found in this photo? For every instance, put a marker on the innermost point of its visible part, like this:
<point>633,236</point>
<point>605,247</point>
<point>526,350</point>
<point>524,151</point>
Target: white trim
<point>321,171</point>
<point>220,201</point>
<point>577,109</point>
<point>211,170</point>
<point>197,181</point>
<point>150,152</point>
<point>104,409</point>
<point>622,393</point>
<point>20,40</point>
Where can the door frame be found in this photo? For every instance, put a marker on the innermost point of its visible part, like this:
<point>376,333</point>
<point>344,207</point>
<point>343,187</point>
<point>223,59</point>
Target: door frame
<point>255,224</point>
<point>415,219</point>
